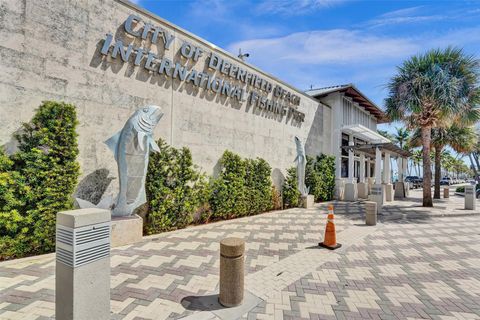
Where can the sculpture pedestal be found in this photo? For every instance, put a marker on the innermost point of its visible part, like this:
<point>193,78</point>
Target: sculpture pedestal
<point>126,230</point>
<point>307,201</point>
<point>351,191</point>
<point>362,189</point>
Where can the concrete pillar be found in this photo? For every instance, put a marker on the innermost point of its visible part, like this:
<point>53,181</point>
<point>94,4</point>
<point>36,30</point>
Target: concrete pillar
<point>369,169</point>
<point>82,274</point>
<point>400,169</point>
<point>404,167</point>
<point>362,186</point>
<point>387,175</point>
<point>446,192</point>
<point>386,168</point>
<point>351,161</point>
<point>232,266</point>
<point>351,192</point>
<point>470,198</point>
<point>370,213</point>
<point>378,166</point>
<point>362,167</point>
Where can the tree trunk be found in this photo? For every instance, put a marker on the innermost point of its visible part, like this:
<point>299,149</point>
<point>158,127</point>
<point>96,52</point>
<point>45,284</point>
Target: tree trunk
<point>427,169</point>
<point>438,171</point>
<point>473,166</point>
<point>475,156</point>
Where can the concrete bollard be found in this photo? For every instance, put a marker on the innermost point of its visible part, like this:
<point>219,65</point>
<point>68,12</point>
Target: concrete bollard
<point>446,192</point>
<point>82,274</point>
<point>370,213</point>
<point>470,199</point>
<point>232,266</point>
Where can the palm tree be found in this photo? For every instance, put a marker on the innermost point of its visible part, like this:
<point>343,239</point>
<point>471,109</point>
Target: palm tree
<point>461,139</point>
<point>401,137</point>
<point>429,90</point>
<point>416,159</point>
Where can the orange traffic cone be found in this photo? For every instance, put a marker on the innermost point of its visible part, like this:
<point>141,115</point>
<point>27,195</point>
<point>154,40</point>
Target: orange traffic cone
<point>330,239</point>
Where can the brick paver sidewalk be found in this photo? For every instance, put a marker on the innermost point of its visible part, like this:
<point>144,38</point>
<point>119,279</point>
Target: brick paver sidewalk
<point>418,268</point>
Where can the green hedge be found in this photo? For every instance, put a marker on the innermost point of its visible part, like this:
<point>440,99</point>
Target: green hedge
<point>243,187</point>
<point>319,178</point>
<point>291,195</point>
<point>175,189</point>
<point>38,181</point>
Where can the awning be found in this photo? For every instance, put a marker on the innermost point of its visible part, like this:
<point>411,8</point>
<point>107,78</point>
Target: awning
<point>369,149</point>
<point>364,133</point>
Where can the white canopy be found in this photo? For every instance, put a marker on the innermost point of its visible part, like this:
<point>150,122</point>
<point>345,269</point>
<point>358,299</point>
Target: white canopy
<point>364,133</point>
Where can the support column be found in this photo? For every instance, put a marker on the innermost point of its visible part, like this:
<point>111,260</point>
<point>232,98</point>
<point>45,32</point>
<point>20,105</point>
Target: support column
<point>369,176</point>
<point>378,166</point>
<point>377,189</point>
<point>351,185</point>
<point>387,174</point>
<point>400,185</point>
<point>362,186</point>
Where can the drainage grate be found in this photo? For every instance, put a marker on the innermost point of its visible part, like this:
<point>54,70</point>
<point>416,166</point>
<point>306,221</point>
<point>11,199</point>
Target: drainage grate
<point>80,246</point>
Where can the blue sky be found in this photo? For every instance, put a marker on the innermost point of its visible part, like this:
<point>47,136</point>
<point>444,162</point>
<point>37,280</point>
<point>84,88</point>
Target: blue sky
<point>328,42</point>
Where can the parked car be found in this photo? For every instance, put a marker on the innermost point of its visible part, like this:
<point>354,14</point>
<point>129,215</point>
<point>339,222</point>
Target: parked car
<point>445,182</point>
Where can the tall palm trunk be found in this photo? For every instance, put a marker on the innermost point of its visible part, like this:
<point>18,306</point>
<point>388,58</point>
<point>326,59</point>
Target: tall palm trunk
<point>438,171</point>
<point>427,169</point>
<point>475,156</point>
<point>473,165</point>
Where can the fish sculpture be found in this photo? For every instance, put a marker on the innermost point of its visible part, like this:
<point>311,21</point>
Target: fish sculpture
<point>131,148</point>
<point>301,161</point>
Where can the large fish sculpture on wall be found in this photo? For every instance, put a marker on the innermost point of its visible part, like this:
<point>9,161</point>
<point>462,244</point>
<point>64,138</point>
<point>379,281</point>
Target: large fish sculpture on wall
<point>131,147</point>
<point>301,161</point>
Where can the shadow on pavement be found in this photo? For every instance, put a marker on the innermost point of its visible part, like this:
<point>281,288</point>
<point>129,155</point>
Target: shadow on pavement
<point>202,303</point>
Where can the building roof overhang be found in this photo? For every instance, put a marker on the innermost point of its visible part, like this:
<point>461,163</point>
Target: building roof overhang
<point>349,90</point>
<point>369,149</point>
<point>373,140</point>
<point>364,133</point>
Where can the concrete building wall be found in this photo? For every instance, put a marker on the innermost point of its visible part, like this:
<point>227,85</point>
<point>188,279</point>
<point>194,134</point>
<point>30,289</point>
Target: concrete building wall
<point>50,50</point>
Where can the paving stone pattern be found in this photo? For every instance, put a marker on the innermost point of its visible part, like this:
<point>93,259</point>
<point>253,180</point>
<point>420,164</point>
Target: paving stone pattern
<point>419,269</point>
<point>405,270</point>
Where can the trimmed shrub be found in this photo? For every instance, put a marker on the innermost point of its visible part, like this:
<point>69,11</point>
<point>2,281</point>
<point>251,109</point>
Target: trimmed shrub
<point>243,187</point>
<point>228,198</point>
<point>320,177</point>
<point>175,189</point>
<point>291,195</point>
<point>43,175</point>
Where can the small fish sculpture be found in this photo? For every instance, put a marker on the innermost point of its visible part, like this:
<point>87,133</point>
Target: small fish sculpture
<point>301,161</point>
<point>131,147</point>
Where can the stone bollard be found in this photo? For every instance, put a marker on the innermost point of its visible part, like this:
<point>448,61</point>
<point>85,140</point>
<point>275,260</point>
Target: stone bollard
<point>446,192</point>
<point>232,266</point>
<point>370,213</point>
<point>470,199</point>
<point>82,274</point>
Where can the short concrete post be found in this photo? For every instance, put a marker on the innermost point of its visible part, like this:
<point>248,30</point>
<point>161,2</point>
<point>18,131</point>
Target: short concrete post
<point>446,192</point>
<point>370,213</point>
<point>82,275</point>
<point>470,200</point>
<point>232,266</point>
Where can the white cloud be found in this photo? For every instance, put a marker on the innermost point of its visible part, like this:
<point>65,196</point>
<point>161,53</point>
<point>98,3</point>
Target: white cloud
<point>294,7</point>
<point>329,46</point>
<point>329,57</point>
